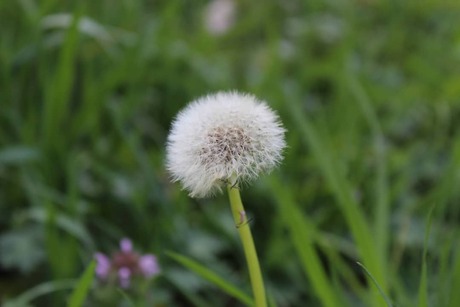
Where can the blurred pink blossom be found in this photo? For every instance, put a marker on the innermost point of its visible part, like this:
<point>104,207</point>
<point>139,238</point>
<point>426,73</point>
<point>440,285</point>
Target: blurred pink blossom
<point>103,265</point>
<point>149,265</point>
<point>124,275</point>
<point>126,264</point>
<point>126,245</point>
<point>220,16</point>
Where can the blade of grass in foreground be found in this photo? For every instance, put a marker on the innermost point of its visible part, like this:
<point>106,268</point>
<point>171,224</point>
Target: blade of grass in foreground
<point>212,277</point>
<point>454,299</point>
<point>423,288</point>
<point>192,296</point>
<point>382,210</point>
<point>385,297</point>
<point>58,91</point>
<point>127,299</point>
<point>80,292</point>
<point>40,290</point>
<point>301,231</point>
<point>342,191</point>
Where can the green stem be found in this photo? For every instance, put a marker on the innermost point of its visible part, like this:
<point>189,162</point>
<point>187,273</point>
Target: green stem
<point>242,224</point>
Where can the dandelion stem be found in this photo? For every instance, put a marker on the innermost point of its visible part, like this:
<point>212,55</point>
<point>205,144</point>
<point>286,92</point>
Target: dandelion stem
<point>241,222</point>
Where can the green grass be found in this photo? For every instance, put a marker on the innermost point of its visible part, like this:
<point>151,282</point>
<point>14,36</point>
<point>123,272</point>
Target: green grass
<point>368,91</point>
<point>80,293</point>
<point>210,276</point>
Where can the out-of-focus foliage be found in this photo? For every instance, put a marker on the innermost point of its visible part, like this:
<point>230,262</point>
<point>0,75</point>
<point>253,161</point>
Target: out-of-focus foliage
<point>368,90</point>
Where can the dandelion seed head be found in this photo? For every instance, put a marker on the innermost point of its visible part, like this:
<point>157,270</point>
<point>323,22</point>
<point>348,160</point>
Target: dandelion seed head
<point>222,137</point>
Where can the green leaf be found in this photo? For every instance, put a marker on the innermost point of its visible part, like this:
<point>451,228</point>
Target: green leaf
<point>25,298</point>
<point>454,299</point>
<point>81,291</point>
<point>22,249</point>
<point>212,277</point>
<point>18,155</point>
<point>331,169</point>
<point>382,210</point>
<point>302,234</point>
<point>423,287</point>
<point>65,222</point>
<point>385,297</point>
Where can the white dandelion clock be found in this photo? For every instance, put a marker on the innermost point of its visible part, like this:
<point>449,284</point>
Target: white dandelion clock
<point>223,137</point>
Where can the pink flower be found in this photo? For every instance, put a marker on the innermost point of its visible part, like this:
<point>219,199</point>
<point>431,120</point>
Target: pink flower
<point>148,265</point>
<point>124,276</point>
<point>126,264</point>
<point>103,265</point>
<point>126,246</point>
<point>220,16</point>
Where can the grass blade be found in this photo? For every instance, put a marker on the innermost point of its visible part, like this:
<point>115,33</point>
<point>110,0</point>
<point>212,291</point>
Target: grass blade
<point>342,191</point>
<point>423,287</point>
<point>382,212</point>
<point>81,291</point>
<point>454,299</point>
<point>40,290</point>
<point>212,277</point>
<point>59,90</point>
<point>385,297</point>
<point>302,233</point>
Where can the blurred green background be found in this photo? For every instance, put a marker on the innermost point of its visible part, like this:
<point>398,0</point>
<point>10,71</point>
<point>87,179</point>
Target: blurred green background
<point>368,91</point>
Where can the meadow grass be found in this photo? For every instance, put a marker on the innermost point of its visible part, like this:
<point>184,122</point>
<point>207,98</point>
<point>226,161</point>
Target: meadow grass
<point>368,91</point>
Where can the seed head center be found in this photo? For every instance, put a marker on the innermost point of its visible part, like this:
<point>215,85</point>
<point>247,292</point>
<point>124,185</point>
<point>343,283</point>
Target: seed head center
<point>226,144</point>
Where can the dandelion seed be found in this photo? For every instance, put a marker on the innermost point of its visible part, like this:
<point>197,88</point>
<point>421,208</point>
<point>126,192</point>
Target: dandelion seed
<point>221,138</point>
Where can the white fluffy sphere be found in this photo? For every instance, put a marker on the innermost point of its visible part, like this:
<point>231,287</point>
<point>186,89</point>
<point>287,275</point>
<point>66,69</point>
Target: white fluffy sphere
<point>223,137</point>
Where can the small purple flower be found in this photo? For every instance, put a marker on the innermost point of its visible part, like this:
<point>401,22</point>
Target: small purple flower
<point>124,275</point>
<point>148,265</point>
<point>126,245</point>
<point>103,265</point>
<point>126,265</point>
